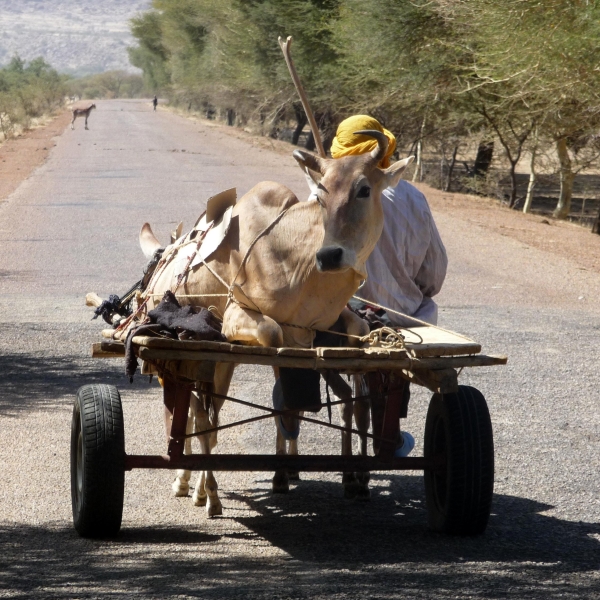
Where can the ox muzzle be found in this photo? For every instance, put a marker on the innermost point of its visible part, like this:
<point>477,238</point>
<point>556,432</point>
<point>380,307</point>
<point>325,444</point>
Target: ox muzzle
<point>331,258</point>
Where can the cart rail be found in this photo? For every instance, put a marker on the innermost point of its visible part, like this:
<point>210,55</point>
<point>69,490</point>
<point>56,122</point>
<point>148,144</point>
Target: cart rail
<point>272,462</point>
<point>431,349</point>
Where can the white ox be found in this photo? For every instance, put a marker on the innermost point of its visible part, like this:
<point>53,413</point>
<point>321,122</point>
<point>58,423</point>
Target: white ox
<point>302,270</point>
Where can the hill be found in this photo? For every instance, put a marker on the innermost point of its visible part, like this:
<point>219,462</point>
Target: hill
<point>78,37</point>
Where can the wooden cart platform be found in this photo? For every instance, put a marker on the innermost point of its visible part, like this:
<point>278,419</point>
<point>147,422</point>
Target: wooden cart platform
<point>458,434</point>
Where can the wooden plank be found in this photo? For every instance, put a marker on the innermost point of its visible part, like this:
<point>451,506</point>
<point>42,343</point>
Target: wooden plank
<point>166,343</point>
<point>421,341</point>
<point>193,370</point>
<point>430,341</point>
<point>347,364</point>
<point>99,352</point>
<point>443,381</point>
<point>395,353</point>
<point>377,352</point>
<point>301,352</point>
<point>114,347</point>
<point>341,352</point>
<point>253,350</point>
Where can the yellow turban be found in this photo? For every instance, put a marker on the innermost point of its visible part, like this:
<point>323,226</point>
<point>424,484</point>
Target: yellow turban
<point>345,143</point>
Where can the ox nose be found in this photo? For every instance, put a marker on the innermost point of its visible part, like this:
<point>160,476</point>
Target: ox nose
<point>329,258</point>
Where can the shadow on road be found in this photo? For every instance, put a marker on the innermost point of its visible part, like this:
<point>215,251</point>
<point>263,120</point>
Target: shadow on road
<point>35,381</point>
<point>329,548</point>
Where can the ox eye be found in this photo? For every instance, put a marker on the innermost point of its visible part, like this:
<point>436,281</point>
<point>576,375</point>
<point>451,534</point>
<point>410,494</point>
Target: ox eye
<point>364,192</point>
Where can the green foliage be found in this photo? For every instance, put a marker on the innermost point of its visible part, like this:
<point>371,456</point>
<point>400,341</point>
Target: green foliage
<point>27,91</point>
<point>434,70</point>
<point>110,84</point>
<point>150,55</point>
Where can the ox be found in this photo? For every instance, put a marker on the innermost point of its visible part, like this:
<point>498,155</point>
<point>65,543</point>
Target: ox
<point>286,262</point>
<point>82,112</point>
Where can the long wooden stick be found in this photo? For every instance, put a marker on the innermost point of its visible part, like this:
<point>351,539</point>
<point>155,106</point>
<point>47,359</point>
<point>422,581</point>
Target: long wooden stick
<point>285,48</point>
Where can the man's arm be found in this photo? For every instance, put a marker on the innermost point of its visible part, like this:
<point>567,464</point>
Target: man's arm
<point>432,273</point>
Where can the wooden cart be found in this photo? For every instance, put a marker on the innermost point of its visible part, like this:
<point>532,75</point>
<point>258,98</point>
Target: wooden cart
<point>458,460</point>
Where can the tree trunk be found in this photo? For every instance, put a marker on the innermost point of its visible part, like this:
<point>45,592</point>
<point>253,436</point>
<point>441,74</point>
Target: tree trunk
<point>418,174</point>
<point>563,207</point>
<point>448,181</point>
<point>596,224</point>
<point>513,184</point>
<point>532,179</point>
<point>483,160</point>
<point>301,121</point>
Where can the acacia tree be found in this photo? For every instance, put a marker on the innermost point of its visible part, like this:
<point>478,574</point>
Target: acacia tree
<point>538,61</point>
<point>150,55</point>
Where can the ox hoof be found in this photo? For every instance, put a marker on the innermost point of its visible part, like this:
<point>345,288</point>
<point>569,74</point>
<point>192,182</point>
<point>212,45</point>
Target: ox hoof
<point>214,510</point>
<point>350,486</point>
<point>199,500</point>
<point>350,491</point>
<point>180,488</point>
<point>363,494</point>
<point>293,476</point>
<point>281,483</point>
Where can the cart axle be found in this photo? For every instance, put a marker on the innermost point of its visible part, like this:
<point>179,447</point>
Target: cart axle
<point>269,462</point>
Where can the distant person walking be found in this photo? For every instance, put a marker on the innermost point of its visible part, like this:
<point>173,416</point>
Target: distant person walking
<point>154,102</point>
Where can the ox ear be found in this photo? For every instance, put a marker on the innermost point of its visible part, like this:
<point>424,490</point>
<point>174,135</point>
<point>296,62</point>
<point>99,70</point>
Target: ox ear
<point>393,173</point>
<point>312,165</point>
<point>148,242</point>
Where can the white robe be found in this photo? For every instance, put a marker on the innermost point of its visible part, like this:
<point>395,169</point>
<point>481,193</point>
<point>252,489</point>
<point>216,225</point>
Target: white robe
<point>408,266</point>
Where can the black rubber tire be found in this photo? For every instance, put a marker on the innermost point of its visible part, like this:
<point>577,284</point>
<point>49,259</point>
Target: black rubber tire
<point>97,461</point>
<point>459,498</point>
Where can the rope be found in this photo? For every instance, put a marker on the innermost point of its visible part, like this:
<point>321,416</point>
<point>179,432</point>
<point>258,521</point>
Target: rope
<point>247,254</point>
<point>191,295</point>
<point>165,261</point>
<point>371,303</point>
<point>384,337</point>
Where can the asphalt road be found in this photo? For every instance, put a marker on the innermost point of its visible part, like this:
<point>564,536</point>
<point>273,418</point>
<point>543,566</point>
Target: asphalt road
<point>72,228</point>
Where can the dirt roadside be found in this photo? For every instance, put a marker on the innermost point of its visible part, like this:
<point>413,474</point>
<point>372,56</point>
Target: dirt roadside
<point>21,156</point>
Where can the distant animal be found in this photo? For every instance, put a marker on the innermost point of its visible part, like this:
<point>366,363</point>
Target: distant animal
<point>285,262</point>
<point>82,112</point>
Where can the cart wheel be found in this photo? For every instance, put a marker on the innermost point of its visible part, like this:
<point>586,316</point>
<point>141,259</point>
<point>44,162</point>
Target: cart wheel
<point>459,498</point>
<point>97,461</point>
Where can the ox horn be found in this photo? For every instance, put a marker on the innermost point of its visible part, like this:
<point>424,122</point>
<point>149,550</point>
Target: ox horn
<point>382,143</point>
<point>309,161</point>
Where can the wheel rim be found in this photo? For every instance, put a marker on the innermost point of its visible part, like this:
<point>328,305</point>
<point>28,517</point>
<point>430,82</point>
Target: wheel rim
<point>439,479</point>
<point>79,463</point>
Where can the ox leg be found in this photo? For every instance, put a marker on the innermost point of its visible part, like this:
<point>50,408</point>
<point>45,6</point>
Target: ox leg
<point>344,392</point>
<point>181,485</point>
<point>245,325</point>
<point>354,325</point>
<point>281,480</point>
<point>362,417</point>
<point>207,417</point>
<point>293,451</point>
<point>349,480</point>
